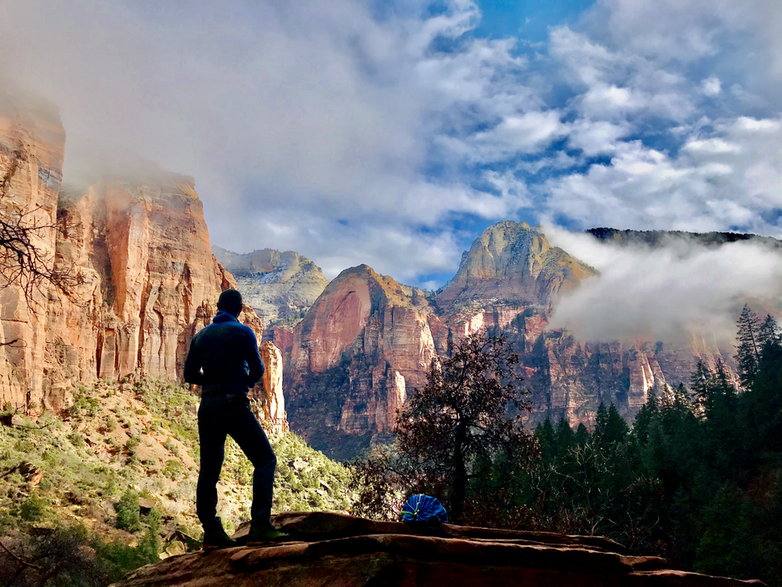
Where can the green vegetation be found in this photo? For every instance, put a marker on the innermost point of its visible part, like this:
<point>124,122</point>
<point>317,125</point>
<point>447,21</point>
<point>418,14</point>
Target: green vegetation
<point>127,508</point>
<point>109,484</point>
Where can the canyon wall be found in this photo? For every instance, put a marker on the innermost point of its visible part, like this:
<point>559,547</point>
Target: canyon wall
<point>31,156</point>
<point>141,276</point>
<point>148,282</point>
<point>353,356</point>
<point>367,342</point>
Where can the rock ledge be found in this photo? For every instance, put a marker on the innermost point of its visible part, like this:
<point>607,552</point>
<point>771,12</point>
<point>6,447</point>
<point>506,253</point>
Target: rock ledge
<point>336,549</point>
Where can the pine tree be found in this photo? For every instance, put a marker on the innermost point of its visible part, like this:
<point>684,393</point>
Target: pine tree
<point>701,382</point>
<point>610,428</point>
<point>748,348</point>
<point>544,434</point>
<point>565,437</point>
<point>768,333</point>
<point>582,435</point>
<point>644,419</point>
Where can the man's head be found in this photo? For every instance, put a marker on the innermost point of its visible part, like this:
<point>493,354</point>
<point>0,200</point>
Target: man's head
<point>230,301</point>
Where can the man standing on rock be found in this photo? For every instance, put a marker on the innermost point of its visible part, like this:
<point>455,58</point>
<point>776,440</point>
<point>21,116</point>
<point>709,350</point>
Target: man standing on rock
<point>224,360</point>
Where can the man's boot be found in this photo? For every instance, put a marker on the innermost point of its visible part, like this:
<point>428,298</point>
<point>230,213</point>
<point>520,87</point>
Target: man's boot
<point>215,536</point>
<point>264,532</point>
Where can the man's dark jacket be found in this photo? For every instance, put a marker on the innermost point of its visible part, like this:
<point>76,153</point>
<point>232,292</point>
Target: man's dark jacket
<point>223,357</point>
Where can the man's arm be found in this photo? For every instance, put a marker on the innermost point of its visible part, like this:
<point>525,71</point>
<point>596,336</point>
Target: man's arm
<point>254,363</point>
<point>193,365</point>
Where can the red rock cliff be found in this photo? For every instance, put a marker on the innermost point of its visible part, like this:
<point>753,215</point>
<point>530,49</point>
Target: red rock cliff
<point>31,156</point>
<point>146,279</point>
<point>150,282</point>
<point>364,341</point>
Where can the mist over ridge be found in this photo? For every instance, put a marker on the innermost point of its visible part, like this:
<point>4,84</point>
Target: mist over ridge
<point>668,285</point>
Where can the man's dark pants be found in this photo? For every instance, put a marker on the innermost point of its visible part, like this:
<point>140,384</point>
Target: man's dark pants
<point>219,417</point>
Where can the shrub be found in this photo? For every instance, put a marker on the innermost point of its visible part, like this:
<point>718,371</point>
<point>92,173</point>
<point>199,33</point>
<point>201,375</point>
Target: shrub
<point>127,509</point>
<point>33,508</point>
<point>173,469</point>
<point>76,439</point>
<point>133,443</point>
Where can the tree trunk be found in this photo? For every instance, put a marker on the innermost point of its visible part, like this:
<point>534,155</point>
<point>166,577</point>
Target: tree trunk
<point>459,485</point>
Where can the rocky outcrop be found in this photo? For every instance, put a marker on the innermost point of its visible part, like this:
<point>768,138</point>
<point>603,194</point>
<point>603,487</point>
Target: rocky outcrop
<point>280,286</point>
<point>273,400</point>
<point>334,549</point>
<point>363,342</point>
<point>512,262</point>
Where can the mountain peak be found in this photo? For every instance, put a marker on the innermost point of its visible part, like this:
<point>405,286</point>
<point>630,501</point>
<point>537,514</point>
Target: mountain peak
<point>513,260</point>
<point>279,285</point>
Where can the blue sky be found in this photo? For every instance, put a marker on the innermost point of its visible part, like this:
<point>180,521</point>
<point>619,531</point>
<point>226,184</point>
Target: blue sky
<point>526,20</point>
<point>393,133</point>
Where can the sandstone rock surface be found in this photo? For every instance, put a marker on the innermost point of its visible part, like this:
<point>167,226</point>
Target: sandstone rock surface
<point>335,549</point>
<point>31,156</point>
<point>273,400</point>
<point>280,286</point>
<point>363,342</point>
<point>512,261</point>
<point>145,276</point>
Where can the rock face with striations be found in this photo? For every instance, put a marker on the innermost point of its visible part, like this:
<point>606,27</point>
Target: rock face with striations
<point>273,401</point>
<point>31,156</point>
<point>280,286</point>
<point>149,278</point>
<point>512,262</point>
<point>362,343</point>
<point>144,277</point>
<point>334,549</point>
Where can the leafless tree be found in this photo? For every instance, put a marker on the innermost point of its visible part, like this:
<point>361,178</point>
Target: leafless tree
<point>23,263</point>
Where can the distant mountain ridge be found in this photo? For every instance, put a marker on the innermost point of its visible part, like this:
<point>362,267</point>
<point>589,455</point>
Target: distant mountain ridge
<point>655,238</point>
<point>279,285</point>
<point>512,261</point>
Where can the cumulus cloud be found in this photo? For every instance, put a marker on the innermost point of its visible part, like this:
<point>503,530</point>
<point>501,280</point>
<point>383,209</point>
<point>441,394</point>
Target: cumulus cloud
<point>525,133</point>
<point>347,130</point>
<point>670,292</point>
<point>711,86</point>
<point>279,108</point>
<point>728,179</point>
<point>647,91</point>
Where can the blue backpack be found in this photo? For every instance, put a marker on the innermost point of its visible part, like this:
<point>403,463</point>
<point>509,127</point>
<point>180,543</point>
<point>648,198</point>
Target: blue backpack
<point>423,508</point>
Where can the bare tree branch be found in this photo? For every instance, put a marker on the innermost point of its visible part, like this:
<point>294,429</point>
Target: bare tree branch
<point>18,558</point>
<point>24,263</point>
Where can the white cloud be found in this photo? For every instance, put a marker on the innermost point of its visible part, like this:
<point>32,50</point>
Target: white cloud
<point>308,125</point>
<point>278,108</point>
<point>596,137</point>
<point>711,86</point>
<point>730,179</point>
<point>529,132</point>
